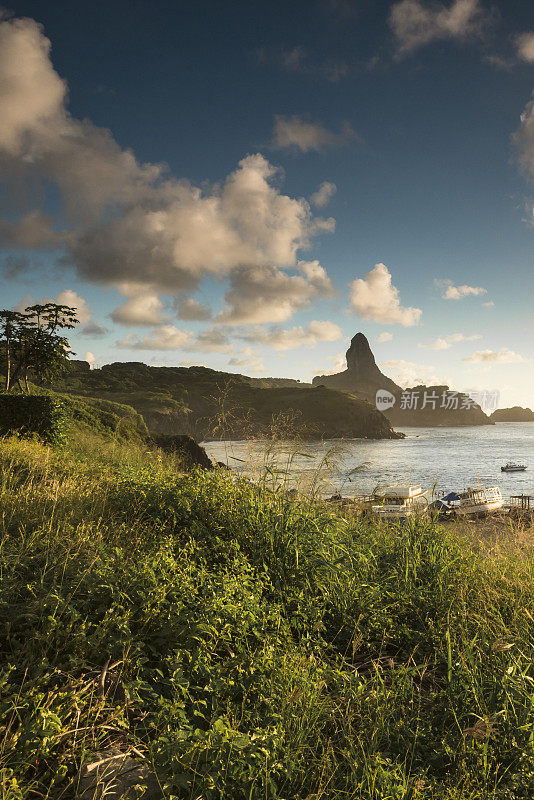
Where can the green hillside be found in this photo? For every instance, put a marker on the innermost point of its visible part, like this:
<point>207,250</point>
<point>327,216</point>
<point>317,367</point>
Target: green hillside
<point>106,418</point>
<point>209,404</point>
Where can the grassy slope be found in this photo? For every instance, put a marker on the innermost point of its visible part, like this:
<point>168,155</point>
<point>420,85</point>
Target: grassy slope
<point>222,405</point>
<point>257,647</point>
<point>111,420</point>
<point>108,419</point>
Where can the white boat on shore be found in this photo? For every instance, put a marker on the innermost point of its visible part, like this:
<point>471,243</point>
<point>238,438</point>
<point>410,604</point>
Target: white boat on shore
<point>399,502</point>
<point>475,502</point>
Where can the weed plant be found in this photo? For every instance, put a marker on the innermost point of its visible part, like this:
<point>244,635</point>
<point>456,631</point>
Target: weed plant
<point>251,645</point>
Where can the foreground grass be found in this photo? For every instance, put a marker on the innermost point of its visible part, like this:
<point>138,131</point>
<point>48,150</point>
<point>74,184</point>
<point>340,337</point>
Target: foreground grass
<point>245,645</point>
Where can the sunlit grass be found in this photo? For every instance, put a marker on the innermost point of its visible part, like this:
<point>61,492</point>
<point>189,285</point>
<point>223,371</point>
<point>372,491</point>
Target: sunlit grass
<point>247,643</point>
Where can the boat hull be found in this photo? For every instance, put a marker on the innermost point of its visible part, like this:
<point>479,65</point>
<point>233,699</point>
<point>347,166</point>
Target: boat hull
<point>479,509</point>
<point>400,512</point>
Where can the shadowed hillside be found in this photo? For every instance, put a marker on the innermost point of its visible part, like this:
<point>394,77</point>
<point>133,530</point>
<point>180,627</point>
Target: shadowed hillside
<point>209,404</point>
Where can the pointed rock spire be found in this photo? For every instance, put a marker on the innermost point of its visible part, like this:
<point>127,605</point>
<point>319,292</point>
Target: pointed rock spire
<point>362,376</point>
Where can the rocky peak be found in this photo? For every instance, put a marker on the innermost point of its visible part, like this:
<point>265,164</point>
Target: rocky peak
<point>362,376</point>
<point>360,357</point>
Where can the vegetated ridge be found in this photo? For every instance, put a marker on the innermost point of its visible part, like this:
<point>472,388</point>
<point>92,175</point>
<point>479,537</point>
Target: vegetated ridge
<point>208,404</point>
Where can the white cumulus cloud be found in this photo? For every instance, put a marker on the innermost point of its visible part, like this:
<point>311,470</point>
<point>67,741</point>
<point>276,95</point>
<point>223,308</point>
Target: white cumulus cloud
<point>324,194</point>
<point>211,340</point>
<point>141,309</point>
<point>295,133</point>
<point>190,310</point>
<point>523,139</point>
<point>33,231</point>
<point>249,360</point>
<point>68,297</point>
<point>269,294</point>
<point>383,337</point>
<point>339,365</point>
<point>409,373</point>
<point>502,356</point>
<point>90,358</point>
<point>374,297</point>
<point>445,342</point>
<point>525,47</point>
<point>451,292</point>
<point>415,23</point>
<point>167,337</point>
<point>130,222</point>
<point>289,339</point>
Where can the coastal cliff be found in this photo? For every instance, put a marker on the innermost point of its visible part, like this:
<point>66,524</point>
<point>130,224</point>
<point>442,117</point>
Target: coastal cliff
<point>417,406</point>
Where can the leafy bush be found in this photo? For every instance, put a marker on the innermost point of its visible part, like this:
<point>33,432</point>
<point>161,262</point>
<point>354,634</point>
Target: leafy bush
<point>26,414</point>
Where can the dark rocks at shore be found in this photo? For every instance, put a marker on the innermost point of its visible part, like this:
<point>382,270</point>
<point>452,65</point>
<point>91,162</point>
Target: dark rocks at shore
<point>189,451</point>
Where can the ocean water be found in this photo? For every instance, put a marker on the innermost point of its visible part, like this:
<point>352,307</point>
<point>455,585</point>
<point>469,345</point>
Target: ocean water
<point>440,459</point>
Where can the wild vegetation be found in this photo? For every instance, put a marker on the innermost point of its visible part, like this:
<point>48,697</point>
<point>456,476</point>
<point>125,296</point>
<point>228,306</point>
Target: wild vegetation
<point>55,417</point>
<point>244,644</point>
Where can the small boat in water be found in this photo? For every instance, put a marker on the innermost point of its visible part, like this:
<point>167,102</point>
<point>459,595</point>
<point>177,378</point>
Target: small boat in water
<point>475,502</point>
<point>399,502</point>
<point>513,467</point>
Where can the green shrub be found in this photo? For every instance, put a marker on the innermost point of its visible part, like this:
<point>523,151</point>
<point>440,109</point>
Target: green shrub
<point>26,414</point>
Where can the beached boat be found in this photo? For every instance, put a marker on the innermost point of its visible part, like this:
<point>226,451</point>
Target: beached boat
<point>475,502</point>
<point>399,502</point>
<point>513,467</point>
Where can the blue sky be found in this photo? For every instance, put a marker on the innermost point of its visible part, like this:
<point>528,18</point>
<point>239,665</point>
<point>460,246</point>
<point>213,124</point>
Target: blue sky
<point>216,183</point>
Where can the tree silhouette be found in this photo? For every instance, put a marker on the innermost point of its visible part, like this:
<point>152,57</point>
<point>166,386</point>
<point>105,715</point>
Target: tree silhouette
<point>31,343</point>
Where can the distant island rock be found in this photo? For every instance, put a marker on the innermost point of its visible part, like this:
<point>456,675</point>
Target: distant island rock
<point>436,407</point>
<point>514,414</point>
<point>417,406</point>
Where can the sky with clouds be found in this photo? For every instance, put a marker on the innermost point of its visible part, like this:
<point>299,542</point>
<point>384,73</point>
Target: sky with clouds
<point>247,185</point>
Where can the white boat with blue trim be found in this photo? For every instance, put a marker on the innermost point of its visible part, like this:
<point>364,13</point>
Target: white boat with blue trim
<point>475,502</point>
